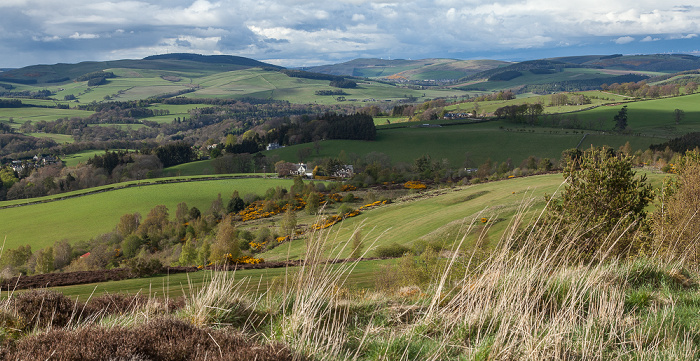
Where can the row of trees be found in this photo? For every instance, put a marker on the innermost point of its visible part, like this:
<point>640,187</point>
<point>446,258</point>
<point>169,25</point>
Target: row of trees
<point>644,90</point>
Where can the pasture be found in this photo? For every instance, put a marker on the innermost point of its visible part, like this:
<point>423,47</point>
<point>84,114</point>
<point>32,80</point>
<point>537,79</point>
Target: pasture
<point>83,217</point>
<point>21,115</point>
<point>653,117</point>
<point>254,282</point>
<point>470,143</point>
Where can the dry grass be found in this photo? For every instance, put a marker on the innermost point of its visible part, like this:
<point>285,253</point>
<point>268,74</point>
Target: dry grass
<point>530,299</point>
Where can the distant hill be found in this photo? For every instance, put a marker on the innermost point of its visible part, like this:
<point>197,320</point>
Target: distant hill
<point>401,69</point>
<point>60,73</point>
<point>213,59</point>
<point>578,72</point>
<point>665,63</point>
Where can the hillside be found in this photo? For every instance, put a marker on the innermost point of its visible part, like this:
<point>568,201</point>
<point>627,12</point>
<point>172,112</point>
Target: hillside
<point>188,63</point>
<point>665,63</point>
<point>397,70</point>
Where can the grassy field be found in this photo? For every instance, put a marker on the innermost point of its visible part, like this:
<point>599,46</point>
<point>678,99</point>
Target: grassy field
<point>497,140</point>
<point>598,98</point>
<point>568,74</point>
<point>81,218</point>
<point>189,169</point>
<point>653,117</point>
<point>255,282</point>
<point>21,115</point>
<point>442,215</point>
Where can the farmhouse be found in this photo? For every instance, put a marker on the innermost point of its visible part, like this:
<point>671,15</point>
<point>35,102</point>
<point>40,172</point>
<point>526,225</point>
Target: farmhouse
<point>272,146</point>
<point>303,170</point>
<point>345,171</point>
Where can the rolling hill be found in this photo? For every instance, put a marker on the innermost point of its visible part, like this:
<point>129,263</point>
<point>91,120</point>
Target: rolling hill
<point>177,63</point>
<point>398,69</point>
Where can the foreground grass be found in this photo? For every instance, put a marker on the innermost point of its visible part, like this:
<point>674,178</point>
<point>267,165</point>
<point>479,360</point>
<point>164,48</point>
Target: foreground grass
<point>514,303</point>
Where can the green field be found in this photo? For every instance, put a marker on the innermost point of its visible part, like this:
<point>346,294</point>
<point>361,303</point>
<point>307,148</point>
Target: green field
<point>81,218</point>
<point>21,115</point>
<point>72,160</point>
<point>598,98</point>
<point>481,141</point>
<point>256,282</point>
<point>653,117</point>
<point>442,215</point>
<point>188,169</point>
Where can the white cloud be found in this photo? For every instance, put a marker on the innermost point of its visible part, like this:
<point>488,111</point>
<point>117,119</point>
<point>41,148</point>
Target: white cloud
<point>78,35</point>
<point>678,36</point>
<point>358,17</point>
<point>313,29</point>
<point>624,40</point>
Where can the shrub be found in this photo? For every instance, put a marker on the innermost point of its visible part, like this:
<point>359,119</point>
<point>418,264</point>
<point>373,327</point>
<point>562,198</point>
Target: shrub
<point>602,205</point>
<point>159,339</point>
<point>142,267</point>
<point>44,308</point>
<point>391,251</point>
<point>675,224</point>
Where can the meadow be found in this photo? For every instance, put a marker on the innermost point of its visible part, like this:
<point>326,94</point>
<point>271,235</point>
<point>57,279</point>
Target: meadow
<point>653,117</point>
<point>83,217</point>
<point>497,140</point>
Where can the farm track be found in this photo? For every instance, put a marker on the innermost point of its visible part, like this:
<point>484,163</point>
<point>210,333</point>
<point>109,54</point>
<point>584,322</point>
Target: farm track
<point>118,187</point>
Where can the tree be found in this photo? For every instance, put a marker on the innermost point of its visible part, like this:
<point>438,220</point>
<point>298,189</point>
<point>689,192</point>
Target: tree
<point>289,222</point>
<point>217,206</point>
<point>131,245</point>
<point>312,205</point>
<point>188,256</point>
<point>182,212</point>
<point>235,204</point>
<point>128,224</point>
<point>8,177</point>
<point>602,204</point>
<point>44,260</point>
<point>225,247</point>
<point>678,115</point>
<point>62,254</point>
<point>621,119</point>
<point>357,245</point>
<point>16,257</point>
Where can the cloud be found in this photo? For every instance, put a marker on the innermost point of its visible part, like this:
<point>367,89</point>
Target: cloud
<point>624,40</point>
<point>78,35</point>
<point>678,36</point>
<point>334,30</point>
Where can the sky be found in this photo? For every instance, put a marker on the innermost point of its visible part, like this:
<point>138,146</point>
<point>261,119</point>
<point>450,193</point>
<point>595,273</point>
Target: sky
<point>295,33</point>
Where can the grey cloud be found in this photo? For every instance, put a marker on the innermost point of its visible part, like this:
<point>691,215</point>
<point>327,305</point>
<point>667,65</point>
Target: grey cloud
<point>309,30</point>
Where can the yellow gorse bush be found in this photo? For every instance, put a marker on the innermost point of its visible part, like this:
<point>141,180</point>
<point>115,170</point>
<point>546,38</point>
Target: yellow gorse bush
<point>414,185</point>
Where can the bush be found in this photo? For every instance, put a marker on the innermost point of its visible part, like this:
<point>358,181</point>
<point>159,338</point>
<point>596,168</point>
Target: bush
<point>44,308</point>
<point>393,250</point>
<point>141,267</point>
<point>602,205</point>
<point>159,339</point>
<point>675,223</point>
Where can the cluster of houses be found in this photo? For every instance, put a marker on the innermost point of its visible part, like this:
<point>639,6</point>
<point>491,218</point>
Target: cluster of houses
<point>458,115</point>
<point>38,161</point>
<point>302,169</point>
